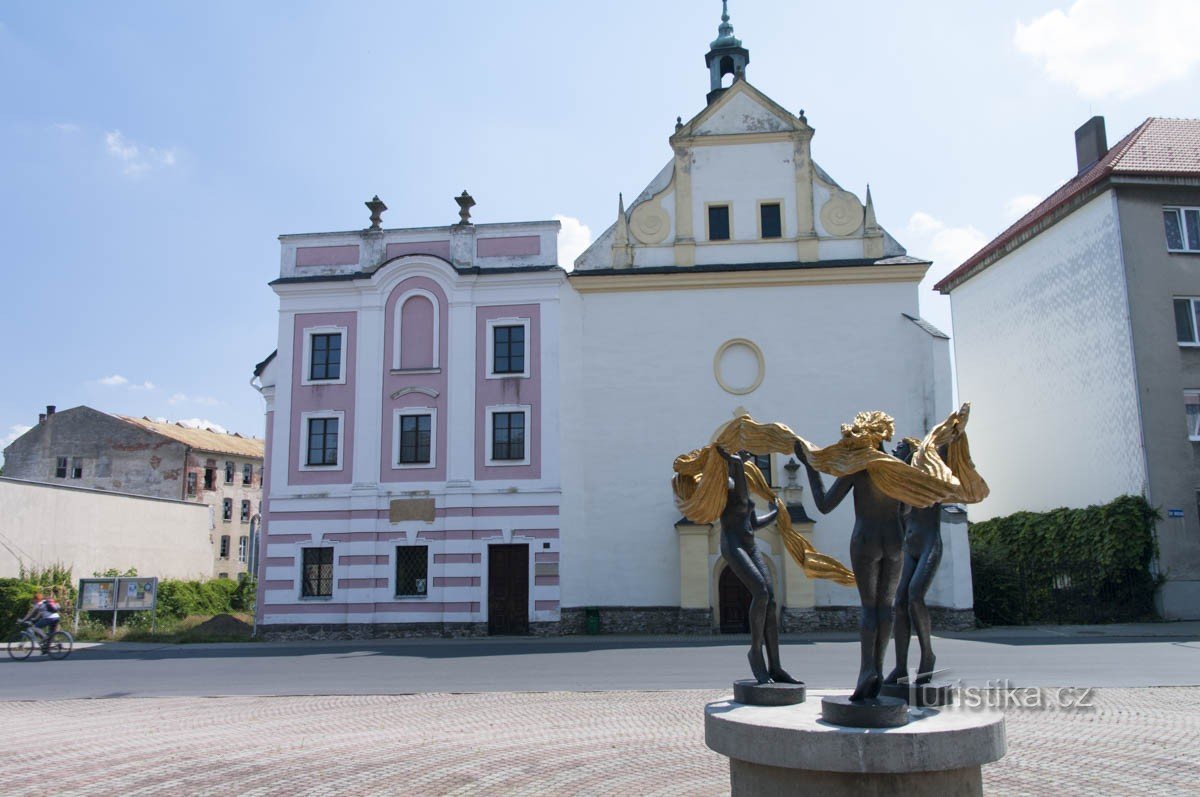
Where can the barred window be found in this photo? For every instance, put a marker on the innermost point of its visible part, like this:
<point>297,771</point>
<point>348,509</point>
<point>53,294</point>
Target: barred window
<point>317,576</point>
<point>412,570</point>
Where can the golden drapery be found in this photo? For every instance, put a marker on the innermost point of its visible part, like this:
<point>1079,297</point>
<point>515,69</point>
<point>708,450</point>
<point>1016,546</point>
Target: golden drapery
<point>701,486</point>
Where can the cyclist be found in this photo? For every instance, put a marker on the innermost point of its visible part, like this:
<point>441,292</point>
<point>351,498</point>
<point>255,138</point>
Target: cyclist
<point>44,615</point>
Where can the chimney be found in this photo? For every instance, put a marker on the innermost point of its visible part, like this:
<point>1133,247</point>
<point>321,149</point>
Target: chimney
<point>1091,144</point>
<point>41,417</point>
<point>49,410</point>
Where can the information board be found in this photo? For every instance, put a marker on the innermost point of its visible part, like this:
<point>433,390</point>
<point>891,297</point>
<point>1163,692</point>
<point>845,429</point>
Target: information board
<point>136,593</point>
<point>95,595</point>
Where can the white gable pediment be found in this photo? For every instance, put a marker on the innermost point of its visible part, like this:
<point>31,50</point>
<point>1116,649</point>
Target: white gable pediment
<point>743,114</point>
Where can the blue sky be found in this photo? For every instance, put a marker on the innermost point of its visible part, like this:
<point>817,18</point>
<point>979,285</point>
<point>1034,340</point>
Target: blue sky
<point>152,152</point>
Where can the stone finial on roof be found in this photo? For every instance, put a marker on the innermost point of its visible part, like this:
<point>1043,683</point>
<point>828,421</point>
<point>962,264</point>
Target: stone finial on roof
<point>869,222</point>
<point>376,207</point>
<point>725,37</point>
<point>465,203</point>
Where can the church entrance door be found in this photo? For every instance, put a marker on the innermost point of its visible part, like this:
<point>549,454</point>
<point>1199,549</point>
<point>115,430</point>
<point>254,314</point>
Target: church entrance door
<point>734,601</point>
<point>508,589</point>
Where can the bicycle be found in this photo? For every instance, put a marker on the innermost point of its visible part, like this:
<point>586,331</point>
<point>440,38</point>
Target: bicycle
<point>57,646</point>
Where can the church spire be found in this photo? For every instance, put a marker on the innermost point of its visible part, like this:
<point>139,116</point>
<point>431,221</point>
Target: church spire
<point>726,55</point>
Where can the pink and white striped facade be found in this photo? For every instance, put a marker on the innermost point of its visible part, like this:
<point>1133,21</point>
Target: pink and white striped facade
<point>413,308</point>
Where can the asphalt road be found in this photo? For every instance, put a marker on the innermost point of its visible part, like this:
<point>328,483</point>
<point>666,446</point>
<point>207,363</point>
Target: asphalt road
<point>1022,657</point>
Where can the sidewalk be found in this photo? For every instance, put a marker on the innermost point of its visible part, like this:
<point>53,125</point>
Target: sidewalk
<point>1189,629</point>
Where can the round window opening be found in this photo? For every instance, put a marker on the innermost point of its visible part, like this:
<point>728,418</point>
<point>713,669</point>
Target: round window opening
<point>739,366</point>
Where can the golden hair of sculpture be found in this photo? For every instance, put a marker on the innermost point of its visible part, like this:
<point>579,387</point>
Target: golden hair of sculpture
<point>701,480</point>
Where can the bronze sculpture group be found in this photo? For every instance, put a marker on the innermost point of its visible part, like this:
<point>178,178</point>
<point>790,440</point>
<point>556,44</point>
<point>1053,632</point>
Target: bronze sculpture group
<point>895,546</point>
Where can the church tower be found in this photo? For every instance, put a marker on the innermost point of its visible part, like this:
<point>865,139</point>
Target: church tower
<point>727,56</point>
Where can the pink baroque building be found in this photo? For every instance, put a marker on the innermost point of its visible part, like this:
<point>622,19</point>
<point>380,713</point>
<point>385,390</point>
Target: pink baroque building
<point>413,432</point>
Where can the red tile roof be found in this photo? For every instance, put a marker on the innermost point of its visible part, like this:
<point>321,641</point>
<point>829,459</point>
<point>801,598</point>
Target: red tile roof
<point>1156,148</point>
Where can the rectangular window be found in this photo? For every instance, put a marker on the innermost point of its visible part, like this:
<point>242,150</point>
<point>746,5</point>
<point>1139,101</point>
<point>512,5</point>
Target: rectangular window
<point>243,547</point>
<point>1187,320</point>
<point>763,461</point>
<point>718,222</point>
<point>508,435</point>
<point>76,467</point>
<point>412,571</point>
<point>322,441</point>
<point>326,361</point>
<point>508,355</point>
<point>245,511</point>
<point>223,575</point>
<point>1182,228</point>
<point>191,483</point>
<point>228,472</point>
<point>770,220</point>
<point>60,468</point>
<point>224,546</point>
<point>104,467</point>
<point>416,436</point>
<point>1191,405</point>
<point>316,577</point>
<point>210,477</point>
<point>247,473</point>
<point>227,509</point>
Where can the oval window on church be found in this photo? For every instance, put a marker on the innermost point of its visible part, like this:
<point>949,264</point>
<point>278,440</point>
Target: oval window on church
<point>739,366</point>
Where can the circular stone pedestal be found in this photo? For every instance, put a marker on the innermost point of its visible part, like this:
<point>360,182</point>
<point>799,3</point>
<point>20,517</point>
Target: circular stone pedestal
<point>752,693</point>
<point>936,693</point>
<point>791,750</point>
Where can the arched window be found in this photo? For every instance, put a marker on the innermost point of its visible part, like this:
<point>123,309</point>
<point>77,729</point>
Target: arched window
<point>417,331</point>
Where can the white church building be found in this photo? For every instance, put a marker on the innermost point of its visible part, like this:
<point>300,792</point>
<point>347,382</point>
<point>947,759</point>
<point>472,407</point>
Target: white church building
<point>465,437</point>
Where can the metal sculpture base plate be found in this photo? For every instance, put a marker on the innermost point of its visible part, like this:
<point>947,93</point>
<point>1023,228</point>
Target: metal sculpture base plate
<point>879,712</point>
<point>935,693</point>
<point>751,693</point>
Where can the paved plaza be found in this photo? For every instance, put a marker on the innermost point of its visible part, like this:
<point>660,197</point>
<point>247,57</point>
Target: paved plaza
<point>545,743</point>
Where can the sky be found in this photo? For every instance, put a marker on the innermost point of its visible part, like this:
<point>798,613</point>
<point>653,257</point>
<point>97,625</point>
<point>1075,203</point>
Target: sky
<point>151,153</point>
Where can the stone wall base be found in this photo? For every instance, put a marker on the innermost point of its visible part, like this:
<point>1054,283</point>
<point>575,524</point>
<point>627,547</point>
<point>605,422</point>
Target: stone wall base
<point>613,620</point>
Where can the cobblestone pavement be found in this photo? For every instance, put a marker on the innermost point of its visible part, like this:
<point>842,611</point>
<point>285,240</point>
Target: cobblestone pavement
<point>589,743</point>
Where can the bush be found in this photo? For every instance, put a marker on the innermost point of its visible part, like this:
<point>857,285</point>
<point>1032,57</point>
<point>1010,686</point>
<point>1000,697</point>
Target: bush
<point>16,594</point>
<point>179,599</point>
<point>1086,565</point>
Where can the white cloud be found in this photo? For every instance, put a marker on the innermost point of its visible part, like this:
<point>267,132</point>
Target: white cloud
<point>116,380</point>
<point>66,127</point>
<point>14,431</point>
<point>143,386</point>
<point>1018,206</point>
<point>947,247</point>
<point>202,423</point>
<point>1115,48</point>
<point>573,238</point>
<point>135,158</point>
<point>183,398</point>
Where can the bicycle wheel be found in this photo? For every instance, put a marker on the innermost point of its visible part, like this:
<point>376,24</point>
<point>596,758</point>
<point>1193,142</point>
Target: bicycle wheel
<point>21,646</point>
<point>60,645</point>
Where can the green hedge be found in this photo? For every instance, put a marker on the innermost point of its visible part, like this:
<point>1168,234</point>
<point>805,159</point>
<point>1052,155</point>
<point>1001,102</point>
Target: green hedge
<point>1066,566</point>
<point>179,599</point>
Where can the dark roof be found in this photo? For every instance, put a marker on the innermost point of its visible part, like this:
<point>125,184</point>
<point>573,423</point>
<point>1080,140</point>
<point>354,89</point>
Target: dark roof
<point>901,260</point>
<point>262,366</point>
<point>925,325</point>
<point>1155,148</point>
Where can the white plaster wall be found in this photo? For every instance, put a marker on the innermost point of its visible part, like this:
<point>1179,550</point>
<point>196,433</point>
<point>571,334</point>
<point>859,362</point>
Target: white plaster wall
<point>742,114</point>
<point>647,393</point>
<point>744,174</point>
<point>94,530</point>
<point>1043,353</point>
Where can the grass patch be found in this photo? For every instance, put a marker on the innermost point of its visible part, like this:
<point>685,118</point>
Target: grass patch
<point>190,629</point>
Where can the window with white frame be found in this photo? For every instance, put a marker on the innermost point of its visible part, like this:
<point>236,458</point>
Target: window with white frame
<point>507,347</point>
<point>324,356</point>
<point>412,571</point>
<point>1183,229</point>
<point>321,440</point>
<point>508,435</point>
<point>316,572</point>
<point>1187,321</point>
<point>1191,405</point>
<point>243,546</point>
<point>413,437</point>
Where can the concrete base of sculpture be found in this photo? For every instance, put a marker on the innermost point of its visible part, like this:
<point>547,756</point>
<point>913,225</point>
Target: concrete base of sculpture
<point>752,693</point>
<point>790,750</point>
<point>936,693</point>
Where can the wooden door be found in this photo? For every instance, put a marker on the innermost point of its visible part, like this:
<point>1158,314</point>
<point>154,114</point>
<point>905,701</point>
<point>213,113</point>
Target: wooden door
<point>508,589</point>
<point>734,602</point>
